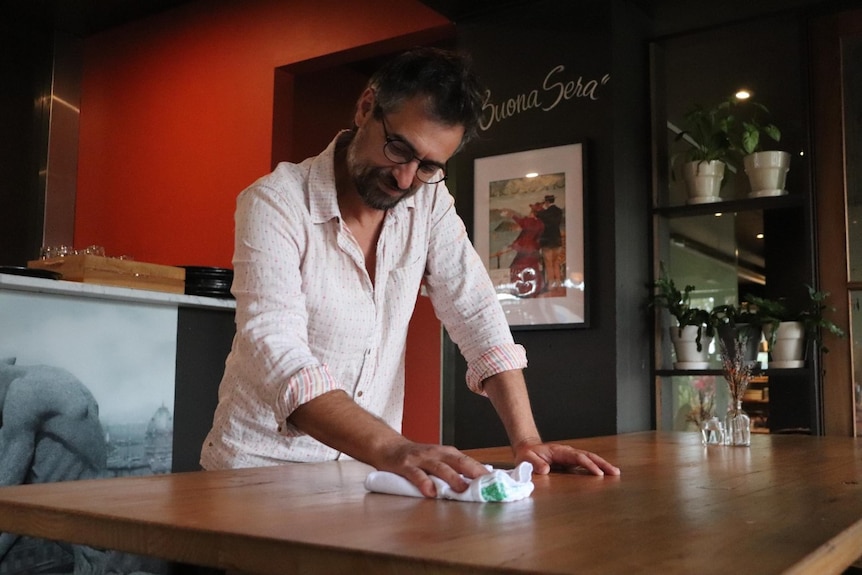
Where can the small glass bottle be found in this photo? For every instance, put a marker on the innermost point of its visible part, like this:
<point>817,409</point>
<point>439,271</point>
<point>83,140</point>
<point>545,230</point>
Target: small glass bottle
<point>737,426</point>
<point>712,431</point>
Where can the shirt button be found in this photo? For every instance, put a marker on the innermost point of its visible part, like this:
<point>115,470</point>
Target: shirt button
<point>358,394</point>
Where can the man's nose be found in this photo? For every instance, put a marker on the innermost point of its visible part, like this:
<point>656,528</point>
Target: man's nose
<point>406,173</point>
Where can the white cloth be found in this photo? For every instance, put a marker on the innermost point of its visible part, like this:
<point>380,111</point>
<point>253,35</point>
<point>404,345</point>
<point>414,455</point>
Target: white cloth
<point>499,485</point>
<point>310,320</point>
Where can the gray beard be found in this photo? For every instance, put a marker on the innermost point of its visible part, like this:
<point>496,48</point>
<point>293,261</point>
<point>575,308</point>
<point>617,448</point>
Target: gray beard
<point>371,182</point>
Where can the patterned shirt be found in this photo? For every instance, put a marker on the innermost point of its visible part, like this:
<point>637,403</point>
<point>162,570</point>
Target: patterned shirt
<point>310,320</point>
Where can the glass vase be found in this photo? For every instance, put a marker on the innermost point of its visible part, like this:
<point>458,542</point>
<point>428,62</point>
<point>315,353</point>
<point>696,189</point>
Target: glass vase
<point>712,431</point>
<point>737,426</point>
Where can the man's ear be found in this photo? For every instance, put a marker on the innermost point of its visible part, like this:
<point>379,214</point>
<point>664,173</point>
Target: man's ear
<point>364,107</point>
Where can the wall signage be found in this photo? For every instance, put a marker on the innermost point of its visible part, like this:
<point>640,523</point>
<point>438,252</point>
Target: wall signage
<point>555,89</point>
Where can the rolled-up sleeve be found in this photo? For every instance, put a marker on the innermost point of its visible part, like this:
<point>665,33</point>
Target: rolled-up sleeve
<point>465,300</point>
<point>496,360</point>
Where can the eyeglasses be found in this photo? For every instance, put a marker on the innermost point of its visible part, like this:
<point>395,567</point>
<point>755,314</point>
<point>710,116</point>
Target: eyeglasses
<point>401,152</point>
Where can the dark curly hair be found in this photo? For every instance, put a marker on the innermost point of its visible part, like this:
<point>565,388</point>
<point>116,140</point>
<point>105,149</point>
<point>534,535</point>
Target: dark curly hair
<point>452,91</point>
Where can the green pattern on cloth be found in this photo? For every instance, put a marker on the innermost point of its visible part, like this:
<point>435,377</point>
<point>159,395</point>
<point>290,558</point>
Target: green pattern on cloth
<point>494,491</point>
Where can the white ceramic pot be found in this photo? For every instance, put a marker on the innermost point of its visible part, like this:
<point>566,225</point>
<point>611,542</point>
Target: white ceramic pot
<point>767,173</point>
<point>685,347</point>
<point>703,181</point>
<point>788,347</point>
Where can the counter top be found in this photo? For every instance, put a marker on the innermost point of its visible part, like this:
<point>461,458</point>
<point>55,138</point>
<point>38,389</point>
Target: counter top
<point>60,287</point>
<point>789,504</point>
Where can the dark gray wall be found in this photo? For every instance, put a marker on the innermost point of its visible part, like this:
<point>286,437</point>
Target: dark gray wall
<point>591,380</point>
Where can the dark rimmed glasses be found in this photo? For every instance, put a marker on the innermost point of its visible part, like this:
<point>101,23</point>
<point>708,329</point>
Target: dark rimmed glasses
<point>400,152</point>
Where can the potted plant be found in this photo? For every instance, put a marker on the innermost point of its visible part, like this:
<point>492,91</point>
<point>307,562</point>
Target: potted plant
<point>788,330</point>
<point>707,131</point>
<point>783,329</point>
<point>694,327</point>
<point>738,324</point>
<point>766,169</point>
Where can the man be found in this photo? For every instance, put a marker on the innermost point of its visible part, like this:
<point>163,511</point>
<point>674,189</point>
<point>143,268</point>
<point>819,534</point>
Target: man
<point>329,256</point>
<point>551,242</point>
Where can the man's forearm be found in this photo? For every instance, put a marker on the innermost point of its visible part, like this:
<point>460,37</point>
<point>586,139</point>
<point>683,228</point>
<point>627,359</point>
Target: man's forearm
<point>337,421</point>
<point>508,394</point>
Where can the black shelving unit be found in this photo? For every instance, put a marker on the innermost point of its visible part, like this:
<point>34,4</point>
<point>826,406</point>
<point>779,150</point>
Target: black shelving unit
<point>772,62</point>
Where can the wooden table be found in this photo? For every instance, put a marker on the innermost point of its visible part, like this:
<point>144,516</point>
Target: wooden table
<point>787,504</point>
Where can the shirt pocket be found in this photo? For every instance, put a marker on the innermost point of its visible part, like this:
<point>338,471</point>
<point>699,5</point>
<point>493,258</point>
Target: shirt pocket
<point>406,279</point>
<point>402,287</point>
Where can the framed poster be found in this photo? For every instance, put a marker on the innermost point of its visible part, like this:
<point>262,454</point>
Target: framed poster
<point>529,232</point>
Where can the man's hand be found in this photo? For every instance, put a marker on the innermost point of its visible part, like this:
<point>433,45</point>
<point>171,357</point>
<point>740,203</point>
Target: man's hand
<point>508,393</point>
<point>545,456</point>
<point>336,420</point>
<point>418,461</point>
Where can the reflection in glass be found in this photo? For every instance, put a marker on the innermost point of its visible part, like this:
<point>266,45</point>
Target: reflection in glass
<point>852,83</point>
<point>856,350</point>
<point>694,396</point>
<point>720,254</point>
<point>852,64</point>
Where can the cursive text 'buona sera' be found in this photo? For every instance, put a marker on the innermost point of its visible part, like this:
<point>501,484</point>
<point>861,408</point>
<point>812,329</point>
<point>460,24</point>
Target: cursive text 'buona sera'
<point>554,90</point>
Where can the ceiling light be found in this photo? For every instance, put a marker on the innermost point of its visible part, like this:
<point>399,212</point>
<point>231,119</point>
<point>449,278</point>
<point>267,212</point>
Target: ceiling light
<point>742,94</point>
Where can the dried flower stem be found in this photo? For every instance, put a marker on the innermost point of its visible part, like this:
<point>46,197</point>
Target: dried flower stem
<point>737,371</point>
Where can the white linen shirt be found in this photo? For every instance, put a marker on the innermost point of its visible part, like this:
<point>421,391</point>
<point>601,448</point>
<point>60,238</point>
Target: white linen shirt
<point>310,320</point>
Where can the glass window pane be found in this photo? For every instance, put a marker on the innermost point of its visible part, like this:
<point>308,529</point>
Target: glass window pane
<point>687,399</point>
<point>689,396</point>
<point>856,334</point>
<point>852,65</point>
<point>852,86</point>
<point>721,255</point>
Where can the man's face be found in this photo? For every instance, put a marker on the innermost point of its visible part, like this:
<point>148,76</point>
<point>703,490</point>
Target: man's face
<point>377,186</point>
<point>380,182</point>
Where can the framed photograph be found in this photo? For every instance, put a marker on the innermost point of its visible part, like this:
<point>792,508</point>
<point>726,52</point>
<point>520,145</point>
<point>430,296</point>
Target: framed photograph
<point>96,381</point>
<point>529,231</point>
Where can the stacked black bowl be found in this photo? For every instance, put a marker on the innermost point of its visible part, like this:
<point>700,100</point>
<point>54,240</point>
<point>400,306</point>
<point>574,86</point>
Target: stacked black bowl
<point>207,281</point>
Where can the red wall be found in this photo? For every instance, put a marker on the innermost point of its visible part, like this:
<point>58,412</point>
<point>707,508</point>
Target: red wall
<point>176,119</point>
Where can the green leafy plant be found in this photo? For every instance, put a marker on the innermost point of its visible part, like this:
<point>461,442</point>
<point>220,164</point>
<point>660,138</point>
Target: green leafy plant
<point>733,315</point>
<point>710,129</point>
<point>771,312</point>
<point>750,133</point>
<point>737,325</point>
<point>812,315</point>
<point>665,294</point>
